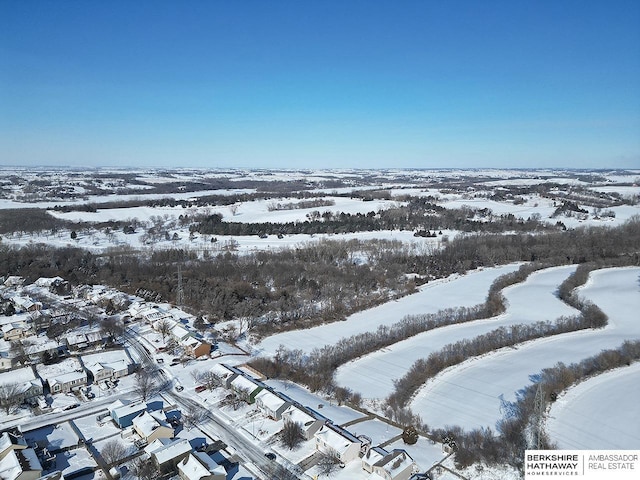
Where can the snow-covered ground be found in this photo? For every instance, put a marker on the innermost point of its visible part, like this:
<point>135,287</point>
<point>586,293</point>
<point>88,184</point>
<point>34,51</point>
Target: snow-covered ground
<point>531,301</point>
<point>455,291</point>
<point>259,210</point>
<point>599,413</point>
<point>471,394</point>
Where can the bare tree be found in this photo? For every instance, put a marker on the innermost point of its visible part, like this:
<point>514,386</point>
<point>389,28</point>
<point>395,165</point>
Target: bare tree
<point>292,435</point>
<point>56,331</point>
<point>144,469</point>
<point>208,379</point>
<point>329,463</point>
<point>113,451</point>
<point>112,327</point>
<point>19,352</point>
<point>163,327</point>
<point>146,383</point>
<point>199,324</point>
<point>194,415</point>
<point>10,397</point>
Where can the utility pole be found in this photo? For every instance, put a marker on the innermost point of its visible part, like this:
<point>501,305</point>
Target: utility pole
<point>180,293</point>
<point>539,408</point>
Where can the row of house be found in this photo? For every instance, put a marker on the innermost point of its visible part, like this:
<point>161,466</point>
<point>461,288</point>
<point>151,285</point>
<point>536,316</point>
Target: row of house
<point>169,455</point>
<point>70,374</point>
<point>329,438</point>
<point>99,367</point>
<point>159,318</point>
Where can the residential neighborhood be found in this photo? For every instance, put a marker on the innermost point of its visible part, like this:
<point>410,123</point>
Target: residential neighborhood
<point>92,373</point>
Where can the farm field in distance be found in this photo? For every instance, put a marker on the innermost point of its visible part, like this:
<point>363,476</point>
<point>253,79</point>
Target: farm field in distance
<point>385,299</point>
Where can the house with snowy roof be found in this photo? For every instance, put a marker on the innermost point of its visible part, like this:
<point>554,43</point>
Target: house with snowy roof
<point>396,465</point>
<point>195,347</point>
<point>13,281</point>
<point>10,441</point>
<point>339,442</point>
<point>166,454</point>
<point>310,424</point>
<point>63,377</point>
<point>28,386</point>
<point>371,457</point>
<point>151,426</point>
<point>154,314</point>
<point>47,282</point>
<point>245,388</point>
<point>14,331</point>
<point>67,382</point>
<point>224,374</point>
<point>25,304</point>
<point>179,332</point>
<point>76,341</point>
<point>200,466</point>
<point>124,413</point>
<point>102,371</point>
<point>109,365</point>
<point>271,404</point>
<point>17,462</point>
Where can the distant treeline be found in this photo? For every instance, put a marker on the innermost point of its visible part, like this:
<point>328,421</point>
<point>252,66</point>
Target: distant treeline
<point>417,214</point>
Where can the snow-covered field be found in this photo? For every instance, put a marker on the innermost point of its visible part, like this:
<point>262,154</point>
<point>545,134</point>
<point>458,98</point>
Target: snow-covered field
<point>456,291</point>
<point>259,210</point>
<point>470,395</point>
<point>531,301</point>
<point>599,413</point>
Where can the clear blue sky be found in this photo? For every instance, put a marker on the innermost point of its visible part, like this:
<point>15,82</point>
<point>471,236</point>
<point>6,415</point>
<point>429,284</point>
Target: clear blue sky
<point>301,83</point>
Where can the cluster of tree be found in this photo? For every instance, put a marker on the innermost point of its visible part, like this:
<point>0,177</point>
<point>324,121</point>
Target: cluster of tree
<point>314,203</point>
<point>568,208</point>
<point>416,214</point>
<point>29,220</point>
<point>10,397</point>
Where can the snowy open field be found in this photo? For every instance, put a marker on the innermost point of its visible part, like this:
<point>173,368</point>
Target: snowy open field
<point>470,395</point>
<point>430,298</point>
<point>398,183</point>
<point>531,301</point>
<point>599,413</point>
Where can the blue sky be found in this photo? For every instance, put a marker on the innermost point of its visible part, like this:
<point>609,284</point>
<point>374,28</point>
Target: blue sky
<point>365,84</point>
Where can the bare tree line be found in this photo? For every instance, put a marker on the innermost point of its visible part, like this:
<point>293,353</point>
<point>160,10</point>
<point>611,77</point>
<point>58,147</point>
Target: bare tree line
<point>456,353</point>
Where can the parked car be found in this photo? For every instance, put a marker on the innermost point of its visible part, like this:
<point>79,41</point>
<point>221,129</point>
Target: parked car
<point>200,388</point>
<point>179,388</point>
<point>270,455</point>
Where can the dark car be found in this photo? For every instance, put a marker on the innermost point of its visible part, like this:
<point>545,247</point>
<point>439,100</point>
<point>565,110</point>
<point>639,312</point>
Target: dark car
<point>270,455</point>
